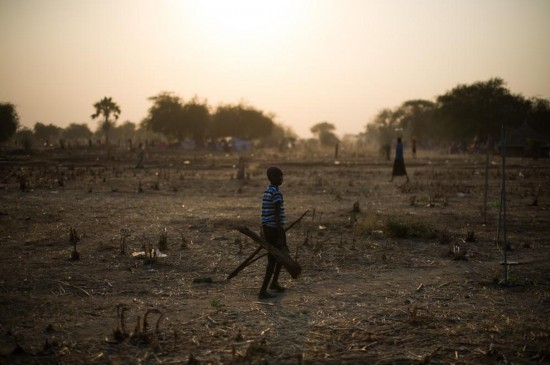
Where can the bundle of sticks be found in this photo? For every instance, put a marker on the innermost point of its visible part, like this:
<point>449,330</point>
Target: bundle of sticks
<point>293,268</point>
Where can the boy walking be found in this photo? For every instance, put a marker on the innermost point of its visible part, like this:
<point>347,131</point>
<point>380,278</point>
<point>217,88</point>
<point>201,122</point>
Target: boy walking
<point>273,220</point>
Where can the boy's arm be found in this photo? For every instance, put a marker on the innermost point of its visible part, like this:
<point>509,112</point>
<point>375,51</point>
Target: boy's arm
<point>277,206</point>
<point>281,240</point>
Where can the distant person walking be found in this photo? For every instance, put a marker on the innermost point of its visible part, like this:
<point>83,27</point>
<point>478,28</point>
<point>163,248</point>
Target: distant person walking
<point>414,147</point>
<point>399,162</point>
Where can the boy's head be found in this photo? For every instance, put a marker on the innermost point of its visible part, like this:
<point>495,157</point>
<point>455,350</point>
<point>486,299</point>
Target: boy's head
<point>275,175</point>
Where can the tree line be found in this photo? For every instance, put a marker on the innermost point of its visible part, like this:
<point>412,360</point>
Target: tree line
<point>462,114</point>
<point>169,117</point>
<point>177,119</point>
<point>465,113</point>
<point>75,133</point>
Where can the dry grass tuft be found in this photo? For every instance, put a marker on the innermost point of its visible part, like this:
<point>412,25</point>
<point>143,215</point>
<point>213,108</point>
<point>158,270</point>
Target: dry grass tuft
<point>163,240</point>
<point>401,227</point>
<point>124,234</point>
<point>74,238</point>
<point>445,237</point>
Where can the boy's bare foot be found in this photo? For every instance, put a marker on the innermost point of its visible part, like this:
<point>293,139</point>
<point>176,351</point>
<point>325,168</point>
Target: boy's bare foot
<point>265,295</point>
<point>277,287</point>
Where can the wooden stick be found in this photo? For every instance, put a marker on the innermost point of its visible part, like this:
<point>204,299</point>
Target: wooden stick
<point>249,260</point>
<point>293,268</point>
<point>247,265</point>
<point>244,264</point>
<point>296,221</point>
<point>257,258</point>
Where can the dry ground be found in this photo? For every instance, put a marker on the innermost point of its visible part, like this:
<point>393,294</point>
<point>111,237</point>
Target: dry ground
<point>398,282</point>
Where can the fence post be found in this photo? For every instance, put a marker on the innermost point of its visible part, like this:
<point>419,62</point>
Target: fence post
<point>502,210</point>
<point>489,141</point>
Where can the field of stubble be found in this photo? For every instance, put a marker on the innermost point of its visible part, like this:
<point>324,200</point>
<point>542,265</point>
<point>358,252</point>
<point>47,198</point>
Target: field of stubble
<point>412,275</point>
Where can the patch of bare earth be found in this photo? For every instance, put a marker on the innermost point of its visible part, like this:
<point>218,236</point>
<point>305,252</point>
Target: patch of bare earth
<point>412,276</point>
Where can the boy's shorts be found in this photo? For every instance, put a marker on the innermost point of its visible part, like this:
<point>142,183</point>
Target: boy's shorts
<point>275,236</point>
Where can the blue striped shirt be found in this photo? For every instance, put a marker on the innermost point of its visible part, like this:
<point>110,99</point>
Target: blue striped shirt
<point>272,195</point>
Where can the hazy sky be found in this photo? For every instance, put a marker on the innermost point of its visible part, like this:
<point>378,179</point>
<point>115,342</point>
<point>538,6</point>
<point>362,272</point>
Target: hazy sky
<point>306,61</point>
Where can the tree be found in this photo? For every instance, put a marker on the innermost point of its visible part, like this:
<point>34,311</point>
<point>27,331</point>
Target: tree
<point>325,134</point>
<point>196,120</point>
<point>24,137</point>
<point>9,121</point>
<point>416,118</point>
<point>124,132</point>
<point>77,131</point>
<point>226,121</point>
<point>46,133</point>
<point>478,110</point>
<point>384,126</point>
<point>413,118</point>
<point>165,115</point>
<point>104,108</point>
<point>241,121</point>
<point>462,114</point>
<point>538,116</point>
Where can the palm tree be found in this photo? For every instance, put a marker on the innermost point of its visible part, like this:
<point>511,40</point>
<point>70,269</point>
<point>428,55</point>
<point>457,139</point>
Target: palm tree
<point>105,107</point>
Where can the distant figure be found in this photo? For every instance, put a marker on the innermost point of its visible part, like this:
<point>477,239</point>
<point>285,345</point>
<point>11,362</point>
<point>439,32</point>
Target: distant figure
<point>273,220</point>
<point>141,155</point>
<point>386,150</point>
<point>399,162</point>
<point>414,147</point>
<point>241,166</point>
